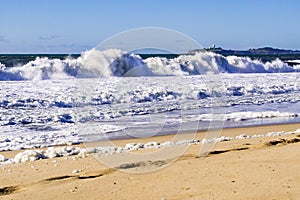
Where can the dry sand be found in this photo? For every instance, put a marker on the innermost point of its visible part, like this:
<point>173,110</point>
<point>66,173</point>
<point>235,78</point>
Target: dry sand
<point>259,168</point>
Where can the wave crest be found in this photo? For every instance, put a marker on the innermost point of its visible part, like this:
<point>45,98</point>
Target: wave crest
<point>114,62</point>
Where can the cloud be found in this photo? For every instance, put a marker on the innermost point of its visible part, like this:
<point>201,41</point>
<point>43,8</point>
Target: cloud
<point>2,39</point>
<point>51,37</point>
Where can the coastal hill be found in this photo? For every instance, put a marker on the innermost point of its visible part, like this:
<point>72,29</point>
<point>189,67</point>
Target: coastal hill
<point>259,51</point>
<point>264,54</point>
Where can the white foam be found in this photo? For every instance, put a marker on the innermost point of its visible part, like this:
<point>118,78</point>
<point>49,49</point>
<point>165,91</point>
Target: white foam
<point>242,116</point>
<point>294,61</point>
<point>46,113</point>
<point>2,158</point>
<point>52,152</point>
<point>114,62</point>
<point>28,155</point>
<point>101,129</point>
<point>207,62</point>
<point>134,146</point>
<point>37,140</point>
<point>92,63</point>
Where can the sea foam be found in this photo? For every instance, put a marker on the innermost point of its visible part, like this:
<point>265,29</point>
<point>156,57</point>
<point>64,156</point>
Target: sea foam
<point>53,152</point>
<point>114,62</point>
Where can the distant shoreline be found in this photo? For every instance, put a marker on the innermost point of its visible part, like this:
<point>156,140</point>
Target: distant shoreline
<point>220,50</point>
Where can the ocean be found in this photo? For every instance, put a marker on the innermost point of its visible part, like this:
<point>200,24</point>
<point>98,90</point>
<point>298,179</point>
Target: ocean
<point>59,99</point>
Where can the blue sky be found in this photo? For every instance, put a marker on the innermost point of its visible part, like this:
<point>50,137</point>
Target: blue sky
<point>63,26</point>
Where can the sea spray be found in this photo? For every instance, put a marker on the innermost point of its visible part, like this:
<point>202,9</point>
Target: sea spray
<point>115,62</point>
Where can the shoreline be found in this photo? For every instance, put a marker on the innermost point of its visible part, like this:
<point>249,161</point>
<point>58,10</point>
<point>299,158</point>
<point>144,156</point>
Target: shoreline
<point>250,168</point>
<point>200,133</point>
<point>120,138</point>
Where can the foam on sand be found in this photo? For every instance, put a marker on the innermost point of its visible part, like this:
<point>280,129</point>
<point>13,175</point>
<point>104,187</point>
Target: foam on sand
<point>52,152</point>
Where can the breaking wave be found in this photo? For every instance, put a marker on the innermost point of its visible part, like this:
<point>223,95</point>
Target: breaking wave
<point>114,62</point>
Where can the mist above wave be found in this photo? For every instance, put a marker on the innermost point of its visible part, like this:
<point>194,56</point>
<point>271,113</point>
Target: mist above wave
<point>114,62</point>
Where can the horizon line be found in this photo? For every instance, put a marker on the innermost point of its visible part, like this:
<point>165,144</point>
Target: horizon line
<point>210,47</point>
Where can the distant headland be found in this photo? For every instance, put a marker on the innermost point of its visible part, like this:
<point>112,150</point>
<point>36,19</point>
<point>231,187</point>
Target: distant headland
<point>264,54</point>
<point>259,51</point>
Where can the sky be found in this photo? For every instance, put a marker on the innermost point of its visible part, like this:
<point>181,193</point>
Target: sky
<point>65,26</point>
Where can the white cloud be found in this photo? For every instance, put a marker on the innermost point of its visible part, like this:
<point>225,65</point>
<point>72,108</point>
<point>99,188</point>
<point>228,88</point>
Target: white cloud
<point>51,37</point>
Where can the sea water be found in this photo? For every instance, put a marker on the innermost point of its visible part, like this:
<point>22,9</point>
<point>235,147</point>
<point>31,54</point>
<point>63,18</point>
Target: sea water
<point>110,94</point>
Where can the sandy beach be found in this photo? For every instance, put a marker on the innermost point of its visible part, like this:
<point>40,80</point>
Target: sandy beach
<point>255,168</point>
<point>149,100</point>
